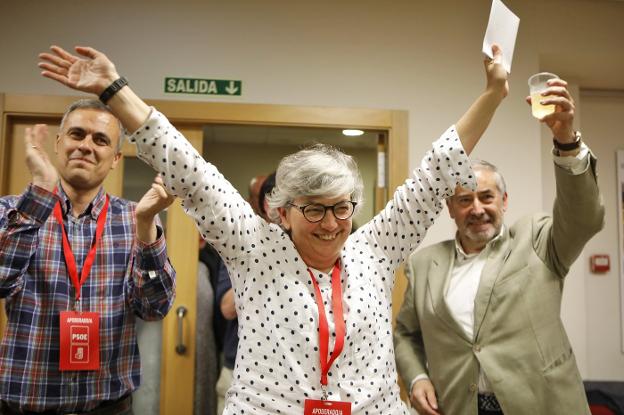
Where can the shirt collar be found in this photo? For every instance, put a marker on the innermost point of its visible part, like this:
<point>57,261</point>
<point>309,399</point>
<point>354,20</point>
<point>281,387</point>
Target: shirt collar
<point>459,250</point>
<point>93,209</point>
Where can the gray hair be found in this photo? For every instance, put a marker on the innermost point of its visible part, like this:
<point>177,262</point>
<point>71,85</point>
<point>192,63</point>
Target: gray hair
<point>94,104</point>
<point>317,170</point>
<point>485,165</point>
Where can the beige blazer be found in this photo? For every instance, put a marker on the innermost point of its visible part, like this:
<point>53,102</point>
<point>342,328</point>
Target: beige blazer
<point>519,339</point>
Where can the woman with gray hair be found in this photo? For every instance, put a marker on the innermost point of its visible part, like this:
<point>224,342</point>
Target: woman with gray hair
<point>313,301</point>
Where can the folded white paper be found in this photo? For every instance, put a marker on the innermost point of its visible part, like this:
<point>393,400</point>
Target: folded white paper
<point>502,29</point>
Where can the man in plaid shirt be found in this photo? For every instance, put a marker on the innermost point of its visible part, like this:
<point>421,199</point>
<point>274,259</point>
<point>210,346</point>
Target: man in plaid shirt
<point>77,266</point>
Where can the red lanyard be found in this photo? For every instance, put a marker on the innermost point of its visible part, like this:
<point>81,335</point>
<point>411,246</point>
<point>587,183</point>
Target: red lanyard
<point>323,325</point>
<point>70,260</point>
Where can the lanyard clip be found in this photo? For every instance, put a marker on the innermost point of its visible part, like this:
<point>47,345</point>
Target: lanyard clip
<point>324,389</point>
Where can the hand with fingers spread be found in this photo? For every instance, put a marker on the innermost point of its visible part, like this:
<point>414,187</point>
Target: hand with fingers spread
<point>423,398</point>
<point>41,168</point>
<point>153,202</point>
<point>561,121</point>
<point>90,72</point>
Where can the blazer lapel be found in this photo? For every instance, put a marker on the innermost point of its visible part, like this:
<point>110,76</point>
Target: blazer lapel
<point>499,253</point>
<point>437,281</point>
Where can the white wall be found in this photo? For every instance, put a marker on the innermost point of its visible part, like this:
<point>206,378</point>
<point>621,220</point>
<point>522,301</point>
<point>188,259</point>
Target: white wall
<point>420,56</point>
<point>601,117</point>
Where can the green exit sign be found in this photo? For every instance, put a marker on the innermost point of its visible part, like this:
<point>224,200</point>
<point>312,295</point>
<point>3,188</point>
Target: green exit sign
<point>202,86</point>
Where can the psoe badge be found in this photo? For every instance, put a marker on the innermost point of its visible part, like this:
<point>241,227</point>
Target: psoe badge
<point>79,347</point>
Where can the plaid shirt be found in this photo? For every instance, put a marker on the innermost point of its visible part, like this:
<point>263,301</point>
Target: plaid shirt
<point>128,279</point>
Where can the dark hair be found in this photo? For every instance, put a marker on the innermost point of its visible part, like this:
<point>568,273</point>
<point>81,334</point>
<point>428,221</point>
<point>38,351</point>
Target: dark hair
<point>267,187</point>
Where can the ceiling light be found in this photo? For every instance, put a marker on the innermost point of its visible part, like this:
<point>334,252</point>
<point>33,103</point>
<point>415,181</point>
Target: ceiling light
<point>352,133</point>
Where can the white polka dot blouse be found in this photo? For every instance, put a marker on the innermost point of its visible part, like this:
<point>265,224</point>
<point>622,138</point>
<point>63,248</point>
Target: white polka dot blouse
<point>277,365</point>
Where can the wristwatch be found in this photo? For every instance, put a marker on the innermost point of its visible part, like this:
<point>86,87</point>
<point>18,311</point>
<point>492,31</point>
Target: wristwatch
<point>113,89</point>
<point>568,146</point>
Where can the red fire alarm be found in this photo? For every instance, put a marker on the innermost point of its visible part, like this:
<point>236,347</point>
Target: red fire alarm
<point>599,263</point>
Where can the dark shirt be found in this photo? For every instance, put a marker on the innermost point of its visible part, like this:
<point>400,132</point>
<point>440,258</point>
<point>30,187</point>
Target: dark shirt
<point>230,330</point>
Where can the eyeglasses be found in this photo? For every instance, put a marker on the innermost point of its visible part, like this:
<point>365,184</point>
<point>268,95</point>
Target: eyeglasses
<point>315,212</point>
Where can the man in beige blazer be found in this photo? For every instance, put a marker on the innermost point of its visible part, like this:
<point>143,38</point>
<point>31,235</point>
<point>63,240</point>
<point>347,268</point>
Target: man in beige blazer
<point>480,331</point>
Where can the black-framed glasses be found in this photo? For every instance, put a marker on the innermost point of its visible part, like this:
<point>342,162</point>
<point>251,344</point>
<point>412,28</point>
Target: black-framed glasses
<point>315,212</point>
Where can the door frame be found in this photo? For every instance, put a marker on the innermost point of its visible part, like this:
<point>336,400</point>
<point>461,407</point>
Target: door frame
<point>176,395</point>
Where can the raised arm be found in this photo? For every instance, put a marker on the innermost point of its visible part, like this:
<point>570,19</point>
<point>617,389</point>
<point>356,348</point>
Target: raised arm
<point>578,212</point>
<point>475,121</point>
<point>93,72</point>
<point>214,204</point>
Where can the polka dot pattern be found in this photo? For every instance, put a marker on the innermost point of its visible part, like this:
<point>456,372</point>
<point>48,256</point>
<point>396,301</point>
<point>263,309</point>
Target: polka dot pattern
<point>277,364</point>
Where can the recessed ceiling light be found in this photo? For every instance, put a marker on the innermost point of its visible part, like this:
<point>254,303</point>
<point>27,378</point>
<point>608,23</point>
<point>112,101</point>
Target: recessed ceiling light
<point>352,133</point>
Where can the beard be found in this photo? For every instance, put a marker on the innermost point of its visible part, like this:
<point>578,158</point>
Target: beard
<point>483,236</point>
<point>487,234</point>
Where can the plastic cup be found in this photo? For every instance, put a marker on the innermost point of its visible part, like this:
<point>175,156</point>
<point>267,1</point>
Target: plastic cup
<point>537,84</point>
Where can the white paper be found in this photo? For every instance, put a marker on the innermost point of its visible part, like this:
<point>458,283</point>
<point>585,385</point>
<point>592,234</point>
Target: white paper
<point>502,29</point>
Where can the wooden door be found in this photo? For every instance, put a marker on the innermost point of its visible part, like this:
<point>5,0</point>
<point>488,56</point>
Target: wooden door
<point>169,367</point>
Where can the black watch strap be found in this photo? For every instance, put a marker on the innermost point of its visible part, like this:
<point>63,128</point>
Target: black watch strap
<point>568,146</point>
<point>113,89</point>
